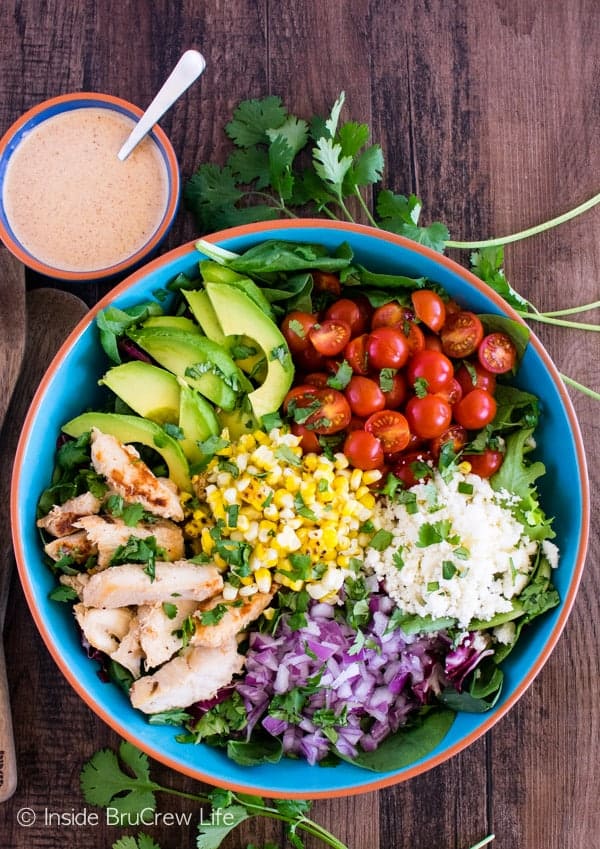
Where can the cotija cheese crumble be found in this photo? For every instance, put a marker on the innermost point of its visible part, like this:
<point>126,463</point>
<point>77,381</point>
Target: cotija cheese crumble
<point>455,550</point>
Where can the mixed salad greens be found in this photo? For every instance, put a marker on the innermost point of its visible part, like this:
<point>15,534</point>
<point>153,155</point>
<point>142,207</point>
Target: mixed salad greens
<point>369,384</point>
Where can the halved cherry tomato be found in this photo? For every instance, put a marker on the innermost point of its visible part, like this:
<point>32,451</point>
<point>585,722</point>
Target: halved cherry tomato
<point>325,281</point>
<point>475,410</point>
<point>391,315</point>
<point>431,366</point>
<point>487,464</point>
<point>330,337</point>
<point>398,394</point>
<point>390,428</point>
<point>309,441</point>
<point>323,411</point>
<point>363,450</point>
<point>348,311</point>
<point>387,348</point>
<point>364,396</point>
<point>497,353</point>
<point>456,434</point>
<point>428,416</point>
<point>483,378</point>
<point>355,353</point>
<point>317,378</point>
<point>295,328</point>
<point>412,467</point>
<point>452,392</point>
<point>461,334</point>
<point>429,308</point>
<point>415,338</point>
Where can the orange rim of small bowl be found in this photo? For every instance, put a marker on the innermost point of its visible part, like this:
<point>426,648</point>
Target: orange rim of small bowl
<point>172,166</point>
<point>368,785</point>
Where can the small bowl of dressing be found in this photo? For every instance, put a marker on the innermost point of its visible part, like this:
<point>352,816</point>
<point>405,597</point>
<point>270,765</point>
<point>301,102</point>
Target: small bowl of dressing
<point>69,208</point>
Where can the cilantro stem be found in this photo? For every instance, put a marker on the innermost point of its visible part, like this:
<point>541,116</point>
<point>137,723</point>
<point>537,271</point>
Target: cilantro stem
<point>544,318</point>
<point>345,209</point>
<point>531,231</point>
<point>484,842</point>
<point>307,825</point>
<point>572,310</point>
<point>365,208</point>
<point>581,387</point>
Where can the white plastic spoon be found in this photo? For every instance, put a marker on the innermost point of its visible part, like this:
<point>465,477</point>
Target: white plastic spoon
<point>188,69</point>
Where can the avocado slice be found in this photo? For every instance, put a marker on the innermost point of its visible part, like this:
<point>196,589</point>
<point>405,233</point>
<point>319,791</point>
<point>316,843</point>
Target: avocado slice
<point>151,391</point>
<point>179,322</point>
<point>204,364</point>
<point>238,315</point>
<point>134,429</point>
<point>238,422</point>
<point>203,312</point>
<point>214,272</point>
<point>197,420</point>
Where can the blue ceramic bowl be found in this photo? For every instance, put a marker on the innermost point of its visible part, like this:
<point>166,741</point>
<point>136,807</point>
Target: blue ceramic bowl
<point>70,386</point>
<point>67,103</point>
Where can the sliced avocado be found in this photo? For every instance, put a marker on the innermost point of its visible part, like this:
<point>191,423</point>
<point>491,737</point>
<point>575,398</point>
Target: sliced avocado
<point>134,429</point>
<point>180,322</point>
<point>239,315</point>
<point>238,422</point>
<point>203,312</point>
<point>151,391</point>
<point>205,365</point>
<point>197,420</point>
<point>217,273</point>
<point>249,356</point>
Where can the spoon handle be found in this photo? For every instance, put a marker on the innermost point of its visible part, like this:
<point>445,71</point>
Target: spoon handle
<point>188,69</point>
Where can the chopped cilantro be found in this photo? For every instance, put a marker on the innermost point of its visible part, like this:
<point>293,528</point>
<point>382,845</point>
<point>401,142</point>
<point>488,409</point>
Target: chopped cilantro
<point>465,488</point>
<point>381,540</point>
<point>169,609</point>
<point>342,377</point>
<point>448,569</point>
<point>386,379</point>
<point>285,453</point>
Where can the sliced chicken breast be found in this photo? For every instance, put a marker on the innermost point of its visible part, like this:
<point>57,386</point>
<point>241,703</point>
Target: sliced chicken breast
<point>234,620</point>
<point>75,582</point>
<point>130,477</point>
<point>160,629</point>
<point>60,520</point>
<point>120,586</point>
<point>76,545</point>
<point>194,675</point>
<point>108,533</point>
<point>129,653</point>
<point>103,629</point>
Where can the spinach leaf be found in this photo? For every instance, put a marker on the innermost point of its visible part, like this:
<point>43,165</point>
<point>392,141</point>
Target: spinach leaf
<point>260,749</point>
<point>481,693</point>
<point>277,256</point>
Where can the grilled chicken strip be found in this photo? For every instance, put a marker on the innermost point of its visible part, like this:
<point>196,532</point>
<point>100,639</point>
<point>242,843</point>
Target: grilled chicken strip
<point>103,629</point>
<point>130,477</point>
<point>108,533</point>
<point>60,520</point>
<point>194,675</point>
<point>75,582</point>
<point>159,631</point>
<point>120,586</point>
<point>130,654</point>
<point>234,620</point>
<point>76,545</point>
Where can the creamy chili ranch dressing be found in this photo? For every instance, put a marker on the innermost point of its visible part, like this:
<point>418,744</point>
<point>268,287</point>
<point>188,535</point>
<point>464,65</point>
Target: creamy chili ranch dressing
<point>69,199</point>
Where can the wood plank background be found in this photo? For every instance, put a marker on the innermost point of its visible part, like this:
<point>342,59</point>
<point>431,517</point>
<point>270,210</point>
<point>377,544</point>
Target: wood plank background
<point>490,112</point>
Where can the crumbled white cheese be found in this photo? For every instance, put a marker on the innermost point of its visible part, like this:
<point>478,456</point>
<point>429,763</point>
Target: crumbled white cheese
<point>551,552</point>
<point>505,633</point>
<point>460,553</point>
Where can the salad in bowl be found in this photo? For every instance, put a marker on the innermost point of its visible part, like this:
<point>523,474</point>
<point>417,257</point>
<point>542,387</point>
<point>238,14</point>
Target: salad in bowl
<point>298,510</point>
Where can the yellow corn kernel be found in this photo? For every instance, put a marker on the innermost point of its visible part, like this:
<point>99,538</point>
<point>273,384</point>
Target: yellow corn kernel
<point>362,491</point>
<point>261,438</point>
<point>343,561</point>
<point>371,476</point>
<point>246,592</point>
<point>243,523</point>
<point>341,461</point>
<point>464,467</point>
<point>218,561</point>
<point>283,499</point>
<point>247,581</point>
<point>355,479</point>
<point>310,462</point>
<point>329,537</point>
<point>296,586</point>
<point>263,580</point>
<point>269,613</point>
<point>291,483</point>
<point>368,501</point>
<point>341,485</point>
<point>207,541</point>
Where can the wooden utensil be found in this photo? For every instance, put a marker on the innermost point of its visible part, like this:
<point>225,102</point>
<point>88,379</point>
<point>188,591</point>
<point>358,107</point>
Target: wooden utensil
<point>51,315</point>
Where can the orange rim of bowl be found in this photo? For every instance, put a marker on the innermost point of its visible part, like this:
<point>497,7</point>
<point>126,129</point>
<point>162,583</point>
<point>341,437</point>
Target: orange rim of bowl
<point>368,785</point>
<point>163,143</point>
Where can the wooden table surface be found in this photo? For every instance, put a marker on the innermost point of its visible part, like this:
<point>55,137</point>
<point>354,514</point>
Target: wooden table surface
<point>490,112</point>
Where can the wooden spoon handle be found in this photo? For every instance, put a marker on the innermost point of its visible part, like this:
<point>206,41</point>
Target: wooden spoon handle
<point>8,759</point>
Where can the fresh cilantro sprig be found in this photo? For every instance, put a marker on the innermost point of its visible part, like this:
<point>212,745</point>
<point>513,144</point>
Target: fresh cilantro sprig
<point>267,176</point>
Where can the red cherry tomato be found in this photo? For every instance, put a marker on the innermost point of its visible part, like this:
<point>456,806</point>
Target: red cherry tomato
<point>309,441</point>
<point>323,411</point>
<point>363,450</point>
<point>391,315</point>
<point>452,392</point>
<point>309,359</point>
<point>497,353</point>
<point>432,342</point>
<point>295,328</point>
<point>429,308</point>
<point>348,311</point>
<point>364,396</point>
<point>412,467</point>
<point>475,410</point>
<point>397,395</point>
<point>355,353</point>
<point>390,428</point>
<point>428,416</point>
<point>455,434</point>
<point>325,281</point>
<point>415,338</point>
<point>330,337</point>
<point>483,378</point>
<point>317,378</point>
<point>356,424</point>
<point>461,334</point>
<point>432,367</point>
<point>487,464</point>
<point>365,307</point>
<point>387,348</point>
